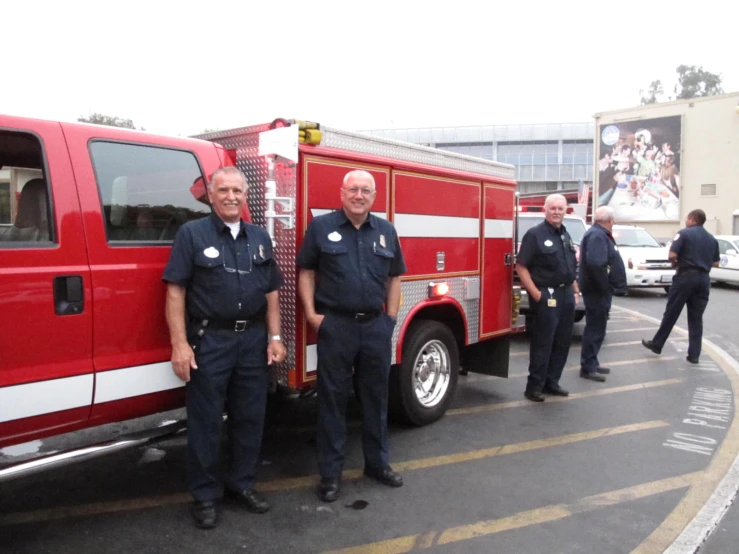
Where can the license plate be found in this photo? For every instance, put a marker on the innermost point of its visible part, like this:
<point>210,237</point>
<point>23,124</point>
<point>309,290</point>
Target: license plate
<point>666,279</point>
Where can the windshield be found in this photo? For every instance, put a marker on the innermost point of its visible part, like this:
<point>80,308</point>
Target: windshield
<point>635,237</point>
<point>575,227</point>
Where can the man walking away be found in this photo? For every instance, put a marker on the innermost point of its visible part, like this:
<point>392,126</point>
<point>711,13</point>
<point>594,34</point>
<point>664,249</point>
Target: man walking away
<point>694,251</point>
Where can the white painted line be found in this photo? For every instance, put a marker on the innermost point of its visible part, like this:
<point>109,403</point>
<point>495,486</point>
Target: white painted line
<point>437,226</point>
<point>45,397</point>
<point>709,516</point>
<point>122,383</point>
<point>315,212</point>
<point>498,229</point>
<point>311,358</point>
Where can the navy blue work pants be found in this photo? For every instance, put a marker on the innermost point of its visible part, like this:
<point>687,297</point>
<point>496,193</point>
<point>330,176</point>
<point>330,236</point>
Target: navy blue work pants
<point>343,344</point>
<point>597,306</point>
<point>233,375</point>
<point>550,337</point>
<point>691,288</point>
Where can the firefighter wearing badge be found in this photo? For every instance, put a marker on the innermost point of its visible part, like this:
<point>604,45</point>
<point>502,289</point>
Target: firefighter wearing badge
<point>350,266</point>
<point>695,251</point>
<point>224,323</point>
<point>547,267</point>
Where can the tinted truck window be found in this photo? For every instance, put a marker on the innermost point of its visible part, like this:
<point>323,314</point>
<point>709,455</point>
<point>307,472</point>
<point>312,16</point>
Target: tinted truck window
<point>147,192</point>
<point>25,209</point>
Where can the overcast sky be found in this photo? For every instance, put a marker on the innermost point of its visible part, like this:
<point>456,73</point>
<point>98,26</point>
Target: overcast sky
<point>179,68</point>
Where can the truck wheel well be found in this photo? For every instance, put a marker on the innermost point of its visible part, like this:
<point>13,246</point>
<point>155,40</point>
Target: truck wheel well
<point>449,316</point>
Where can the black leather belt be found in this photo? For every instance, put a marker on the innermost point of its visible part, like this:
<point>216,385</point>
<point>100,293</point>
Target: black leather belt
<point>356,316</point>
<point>691,270</point>
<point>236,325</point>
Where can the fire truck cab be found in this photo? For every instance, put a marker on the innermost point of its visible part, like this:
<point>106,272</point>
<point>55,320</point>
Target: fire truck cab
<point>87,218</point>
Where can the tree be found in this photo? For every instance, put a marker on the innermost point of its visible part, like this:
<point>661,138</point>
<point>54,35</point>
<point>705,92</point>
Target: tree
<point>100,119</point>
<point>693,82</point>
<point>654,90</point>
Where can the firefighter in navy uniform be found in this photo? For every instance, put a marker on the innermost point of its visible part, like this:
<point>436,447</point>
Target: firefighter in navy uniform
<point>224,323</point>
<point>350,266</point>
<point>547,267</point>
<point>695,252</point>
<point>601,275</point>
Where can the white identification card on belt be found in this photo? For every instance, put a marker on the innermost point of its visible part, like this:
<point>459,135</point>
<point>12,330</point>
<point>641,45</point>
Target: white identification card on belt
<point>551,302</point>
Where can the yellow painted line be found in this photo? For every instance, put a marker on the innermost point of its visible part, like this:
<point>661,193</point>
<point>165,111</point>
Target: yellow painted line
<point>605,345</point>
<point>279,485</point>
<point>524,519</point>
<point>610,332</point>
<point>576,367</point>
<point>665,535</point>
<point>698,495</point>
<point>573,396</point>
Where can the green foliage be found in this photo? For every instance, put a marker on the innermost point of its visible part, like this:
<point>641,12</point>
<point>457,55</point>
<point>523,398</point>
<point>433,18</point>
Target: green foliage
<point>651,94</point>
<point>692,82</point>
<point>100,119</point>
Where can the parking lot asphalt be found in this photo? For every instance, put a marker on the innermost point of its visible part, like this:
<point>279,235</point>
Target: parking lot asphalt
<point>621,466</point>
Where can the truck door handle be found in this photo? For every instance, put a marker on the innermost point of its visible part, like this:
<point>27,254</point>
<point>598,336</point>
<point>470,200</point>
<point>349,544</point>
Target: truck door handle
<point>508,259</point>
<point>69,295</point>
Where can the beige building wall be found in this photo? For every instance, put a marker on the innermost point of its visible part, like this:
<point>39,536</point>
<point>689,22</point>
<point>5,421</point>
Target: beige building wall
<point>709,155</point>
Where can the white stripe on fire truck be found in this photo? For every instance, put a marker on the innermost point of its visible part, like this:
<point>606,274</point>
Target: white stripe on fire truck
<point>311,358</point>
<point>442,226</point>
<point>135,381</point>
<point>437,226</point>
<point>498,229</point>
<point>315,212</point>
<point>45,397</point>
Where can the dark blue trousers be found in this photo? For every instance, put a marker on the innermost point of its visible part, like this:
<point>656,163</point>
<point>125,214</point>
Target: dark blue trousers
<point>232,375</point>
<point>343,344</point>
<point>597,306</point>
<point>550,337</point>
<point>691,288</point>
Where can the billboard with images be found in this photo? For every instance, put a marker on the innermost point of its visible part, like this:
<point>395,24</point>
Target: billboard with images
<point>639,169</point>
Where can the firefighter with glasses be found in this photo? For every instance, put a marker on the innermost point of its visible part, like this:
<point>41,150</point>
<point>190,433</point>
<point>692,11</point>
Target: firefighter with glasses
<point>350,266</point>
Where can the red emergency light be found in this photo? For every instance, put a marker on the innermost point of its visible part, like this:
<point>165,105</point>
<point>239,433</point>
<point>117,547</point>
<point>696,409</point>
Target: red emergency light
<point>438,290</point>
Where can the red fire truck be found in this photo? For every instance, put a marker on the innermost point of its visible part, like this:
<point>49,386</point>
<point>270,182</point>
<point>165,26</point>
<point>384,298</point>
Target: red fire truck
<point>87,218</point>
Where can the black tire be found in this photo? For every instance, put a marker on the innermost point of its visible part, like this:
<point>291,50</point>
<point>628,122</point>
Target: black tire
<point>667,289</point>
<point>579,316</point>
<point>433,340</point>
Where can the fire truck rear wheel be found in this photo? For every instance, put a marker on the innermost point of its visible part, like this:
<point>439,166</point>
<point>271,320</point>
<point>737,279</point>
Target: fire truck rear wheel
<point>423,385</point>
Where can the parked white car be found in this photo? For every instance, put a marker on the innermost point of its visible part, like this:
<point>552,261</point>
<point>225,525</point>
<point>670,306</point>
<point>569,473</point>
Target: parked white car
<point>647,262</point>
<point>728,267</point>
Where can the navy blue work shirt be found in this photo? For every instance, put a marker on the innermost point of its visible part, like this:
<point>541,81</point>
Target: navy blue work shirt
<point>601,268</point>
<point>225,278</point>
<point>549,255</point>
<point>695,248</point>
<point>352,265</point>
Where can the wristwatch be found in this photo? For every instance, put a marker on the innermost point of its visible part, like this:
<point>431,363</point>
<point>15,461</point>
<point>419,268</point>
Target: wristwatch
<point>275,337</point>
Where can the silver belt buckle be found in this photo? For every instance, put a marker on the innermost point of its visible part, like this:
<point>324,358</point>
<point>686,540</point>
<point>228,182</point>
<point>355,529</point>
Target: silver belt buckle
<point>240,325</point>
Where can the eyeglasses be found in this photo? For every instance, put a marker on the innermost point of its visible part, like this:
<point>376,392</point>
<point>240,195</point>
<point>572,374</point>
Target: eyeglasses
<point>231,269</point>
<point>239,271</point>
<point>365,191</point>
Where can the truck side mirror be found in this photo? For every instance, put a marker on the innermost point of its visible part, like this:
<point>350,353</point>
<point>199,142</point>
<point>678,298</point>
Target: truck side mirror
<point>731,251</point>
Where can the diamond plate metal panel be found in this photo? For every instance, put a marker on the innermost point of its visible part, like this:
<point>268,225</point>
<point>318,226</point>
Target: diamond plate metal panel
<point>417,291</point>
<point>366,144</point>
<point>245,142</point>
